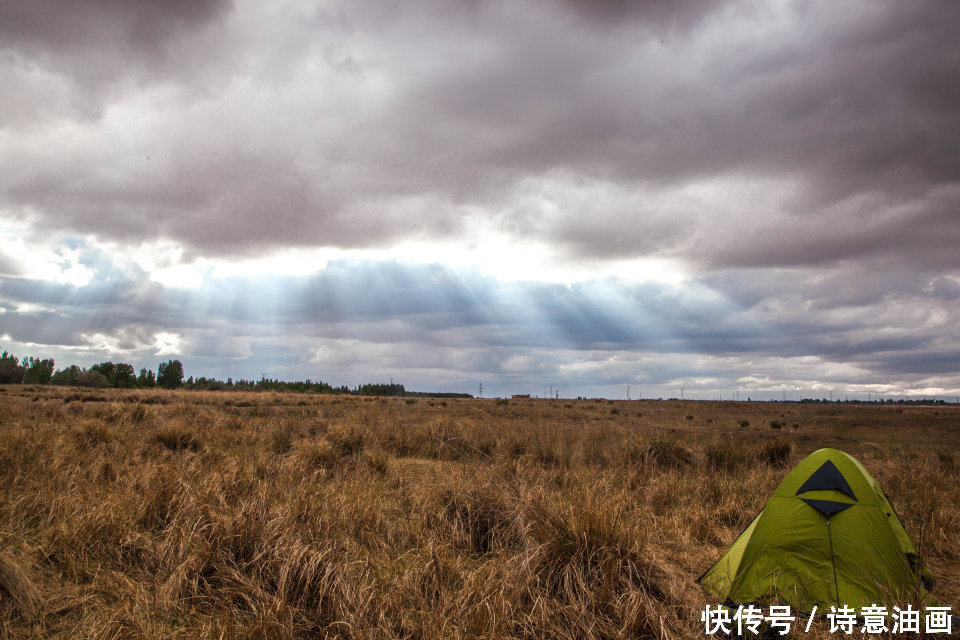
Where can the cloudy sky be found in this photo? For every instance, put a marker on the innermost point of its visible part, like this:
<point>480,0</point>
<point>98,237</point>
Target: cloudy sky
<point>754,197</point>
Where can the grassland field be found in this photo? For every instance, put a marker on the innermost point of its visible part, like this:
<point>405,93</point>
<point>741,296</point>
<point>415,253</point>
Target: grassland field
<point>176,514</point>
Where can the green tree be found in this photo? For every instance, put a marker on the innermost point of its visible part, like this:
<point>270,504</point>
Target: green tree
<point>126,378</point>
<point>38,371</point>
<point>118,374</point>
<point>170,374</point>
<point>107,370</point>
<point>10,369</point>
<point>91,378</point>
<point>68,376</point>
<point>146,379</point>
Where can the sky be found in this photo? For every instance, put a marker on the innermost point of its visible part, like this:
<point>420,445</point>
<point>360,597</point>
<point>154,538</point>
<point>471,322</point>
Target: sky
<point>720,199</point>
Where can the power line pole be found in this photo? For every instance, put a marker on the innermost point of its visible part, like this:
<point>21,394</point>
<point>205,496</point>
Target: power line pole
<point>628,392</point>
<point>480,393</point>
<point>681,392</point>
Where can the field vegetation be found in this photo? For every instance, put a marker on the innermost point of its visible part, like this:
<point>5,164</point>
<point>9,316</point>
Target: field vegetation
<point>176,514</point>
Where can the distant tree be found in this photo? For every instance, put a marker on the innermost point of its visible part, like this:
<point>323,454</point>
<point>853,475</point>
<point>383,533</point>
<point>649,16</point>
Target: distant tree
<point>38,371</point>
<point>170,374</point>
<point>146,379</point>
<point>74,376</point>
<point>91,378</point>
<point>126,378</point>
<point>107,370</point>
<point>10,369</point>
<point>381,389</point>
<point>118,374</point>
<point>68,376</point>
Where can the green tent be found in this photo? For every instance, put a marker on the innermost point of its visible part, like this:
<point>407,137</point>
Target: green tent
<point>827,536</point>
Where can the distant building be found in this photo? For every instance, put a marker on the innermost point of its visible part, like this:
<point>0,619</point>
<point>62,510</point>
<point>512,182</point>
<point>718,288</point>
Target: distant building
<point>520,395</point>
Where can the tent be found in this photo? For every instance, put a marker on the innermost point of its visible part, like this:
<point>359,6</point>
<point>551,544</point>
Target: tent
<point>827,536</point>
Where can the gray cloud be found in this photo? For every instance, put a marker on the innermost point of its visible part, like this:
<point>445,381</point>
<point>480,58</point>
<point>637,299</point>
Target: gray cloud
<point>383,124</point>
<point>797,159</point>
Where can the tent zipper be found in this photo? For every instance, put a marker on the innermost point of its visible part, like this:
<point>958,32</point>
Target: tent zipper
<point>833,563</point>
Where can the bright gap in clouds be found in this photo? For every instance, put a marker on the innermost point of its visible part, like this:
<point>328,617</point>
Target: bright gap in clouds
<point>59,262</point>
<point>499,256</point>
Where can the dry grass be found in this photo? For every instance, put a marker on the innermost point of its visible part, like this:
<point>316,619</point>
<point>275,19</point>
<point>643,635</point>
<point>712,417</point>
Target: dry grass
<point>213,515</point>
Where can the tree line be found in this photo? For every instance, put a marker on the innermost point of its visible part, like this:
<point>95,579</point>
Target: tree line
<point>170,375</point>
<point>30,370</point>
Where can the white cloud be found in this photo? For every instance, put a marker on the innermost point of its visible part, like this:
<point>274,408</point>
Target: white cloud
<point>167,343</point>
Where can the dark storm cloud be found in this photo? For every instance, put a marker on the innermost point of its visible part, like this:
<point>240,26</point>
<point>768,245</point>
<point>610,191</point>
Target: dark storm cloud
<point>676,14</point>
<point>74,57</point>
<point>78,24</point>
<point>359,124</point>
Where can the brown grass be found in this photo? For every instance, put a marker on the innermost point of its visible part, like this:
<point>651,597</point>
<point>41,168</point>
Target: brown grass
<point>214,515</point>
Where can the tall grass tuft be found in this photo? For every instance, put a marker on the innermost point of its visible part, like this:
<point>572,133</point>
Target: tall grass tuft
<point>17,586</point>
<point>660,452</point>
<point>176,437</point>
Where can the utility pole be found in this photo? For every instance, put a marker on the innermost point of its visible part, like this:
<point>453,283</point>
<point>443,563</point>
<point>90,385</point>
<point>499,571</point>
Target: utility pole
<point>480,393</point>
<point>681,392</point>
<point>628,392</point>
